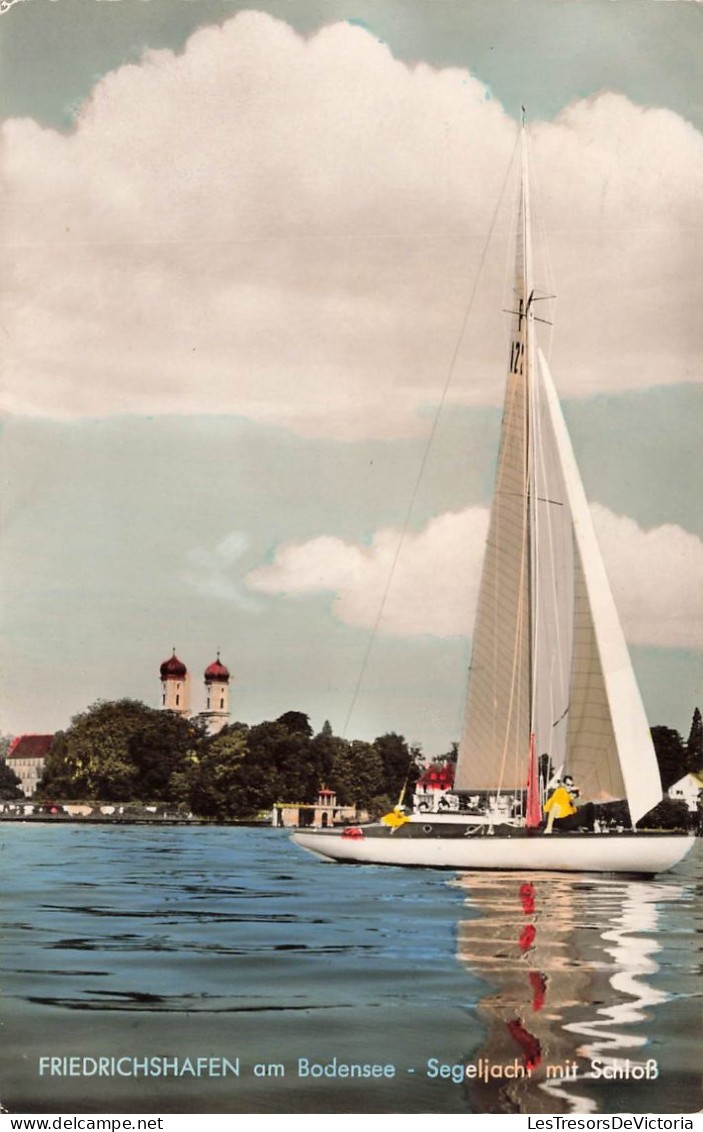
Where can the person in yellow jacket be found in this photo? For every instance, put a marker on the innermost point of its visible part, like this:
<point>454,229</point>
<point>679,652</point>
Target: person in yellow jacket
<point>561,803</point>
<point>395,818</point>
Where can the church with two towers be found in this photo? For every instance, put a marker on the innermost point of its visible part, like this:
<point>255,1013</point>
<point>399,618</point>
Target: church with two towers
<point>175,692</point>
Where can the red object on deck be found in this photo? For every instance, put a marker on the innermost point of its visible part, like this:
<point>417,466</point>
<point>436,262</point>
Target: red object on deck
<point>533,816</point>
<point>353,831</point>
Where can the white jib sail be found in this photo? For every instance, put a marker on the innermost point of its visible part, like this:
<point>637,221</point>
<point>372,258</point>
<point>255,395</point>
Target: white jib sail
<point>552,569</point>
<point>606,709</point>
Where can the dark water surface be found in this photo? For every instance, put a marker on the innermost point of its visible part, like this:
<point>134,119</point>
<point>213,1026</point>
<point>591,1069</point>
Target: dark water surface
<point>218,942</point>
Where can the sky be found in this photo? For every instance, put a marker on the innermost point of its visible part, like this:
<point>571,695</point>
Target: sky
<point>254,265</point>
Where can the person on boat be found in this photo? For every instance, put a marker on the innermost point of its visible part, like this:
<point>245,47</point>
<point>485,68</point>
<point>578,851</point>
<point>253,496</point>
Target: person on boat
<point>561,803</point>
<point>395,818</point>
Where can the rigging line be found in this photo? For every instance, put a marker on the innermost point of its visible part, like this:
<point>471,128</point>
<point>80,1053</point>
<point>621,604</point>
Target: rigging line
<point>508,288</point>
<point>561,641</point>
<point>428,446</point>
<point>539,215</point>
<point>519,639</point>
<point>562,716</point>
<point>509,264</point>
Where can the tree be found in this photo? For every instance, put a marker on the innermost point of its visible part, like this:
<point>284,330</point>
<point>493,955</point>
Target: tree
<point>357,776</point>
<point>221,786</point>
<point>121,751</point>
<point>296,722</point>
<point>694,746</point>
<point>162,750</point>
<point>670,813</point>
<point>671,755</point>
<point>285,753</point>
<point>325,747</point>
<point>10,787</point>
<point>451,756</point>
<point>399,764</point>
<point>245,770</point>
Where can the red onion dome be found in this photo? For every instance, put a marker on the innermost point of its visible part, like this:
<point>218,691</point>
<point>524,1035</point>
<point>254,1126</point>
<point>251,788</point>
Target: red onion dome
<point>173,668</point>
<point>216,672</point>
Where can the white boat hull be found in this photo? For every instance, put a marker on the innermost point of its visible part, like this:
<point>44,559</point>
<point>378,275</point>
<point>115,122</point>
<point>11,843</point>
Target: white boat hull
<point>604,853</point>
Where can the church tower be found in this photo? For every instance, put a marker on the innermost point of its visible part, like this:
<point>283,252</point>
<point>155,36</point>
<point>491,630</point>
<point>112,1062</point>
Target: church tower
<point>175,686</point>
<point>216,712</point>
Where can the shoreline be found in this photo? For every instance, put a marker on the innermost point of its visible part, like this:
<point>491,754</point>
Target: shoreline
<point>108,819</point>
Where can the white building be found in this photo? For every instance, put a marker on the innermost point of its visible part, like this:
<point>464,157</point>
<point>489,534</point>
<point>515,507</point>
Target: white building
<point>26,757</point>
<point>685,790</point>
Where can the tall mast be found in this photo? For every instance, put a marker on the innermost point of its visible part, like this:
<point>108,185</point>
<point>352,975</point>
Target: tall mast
<point>526,304</point>
<point>526,218</point>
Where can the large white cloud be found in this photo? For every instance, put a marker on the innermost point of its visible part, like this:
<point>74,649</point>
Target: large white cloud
<point>290,229</point>
<point>434,577</point>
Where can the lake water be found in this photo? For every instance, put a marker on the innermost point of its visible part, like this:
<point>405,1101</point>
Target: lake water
<point>176,942</point>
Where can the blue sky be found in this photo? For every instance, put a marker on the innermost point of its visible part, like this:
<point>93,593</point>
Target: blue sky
<point>240,264</point>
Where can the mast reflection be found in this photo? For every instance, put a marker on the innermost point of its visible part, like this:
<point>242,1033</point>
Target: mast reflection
<point>568,962</point>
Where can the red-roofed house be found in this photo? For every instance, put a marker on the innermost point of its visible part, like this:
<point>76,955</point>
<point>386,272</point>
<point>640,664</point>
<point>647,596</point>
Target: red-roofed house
<point>26,757</point>
<point>432,789</point>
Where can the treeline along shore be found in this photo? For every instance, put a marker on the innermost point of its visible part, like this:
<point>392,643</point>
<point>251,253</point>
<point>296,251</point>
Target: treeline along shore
<point>124,762</point>
<point>128,755</point>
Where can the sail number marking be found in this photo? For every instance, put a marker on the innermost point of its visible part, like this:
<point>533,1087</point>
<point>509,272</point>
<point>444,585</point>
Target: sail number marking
<point>517,353</point>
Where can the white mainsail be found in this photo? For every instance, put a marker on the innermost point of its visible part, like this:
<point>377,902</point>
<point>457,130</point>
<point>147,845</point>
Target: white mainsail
<point>549,655</point>
<point>497,722</point>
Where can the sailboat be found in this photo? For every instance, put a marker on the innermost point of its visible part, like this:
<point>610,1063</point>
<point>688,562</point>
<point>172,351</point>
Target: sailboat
<point>550,673</point>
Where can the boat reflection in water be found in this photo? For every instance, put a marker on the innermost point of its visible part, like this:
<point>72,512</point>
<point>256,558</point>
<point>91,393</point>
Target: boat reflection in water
<point>575,972</point>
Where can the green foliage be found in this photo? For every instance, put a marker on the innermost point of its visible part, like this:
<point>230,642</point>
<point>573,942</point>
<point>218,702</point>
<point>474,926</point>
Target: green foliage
<point>357,774</point>
<point>325,747</point>
<point>296,722</point>
<point>220,788</point>
<point>120,751</point>
<point>694,746</point>
<point>671,813</point>
<point>245,770</point>
<point>613,814</point>
<point>451,756</point>
<point>124,751</point>
<point>671,755</point>
<point>282,763</point>
<point>9,784</point>
<point>400,765</point>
